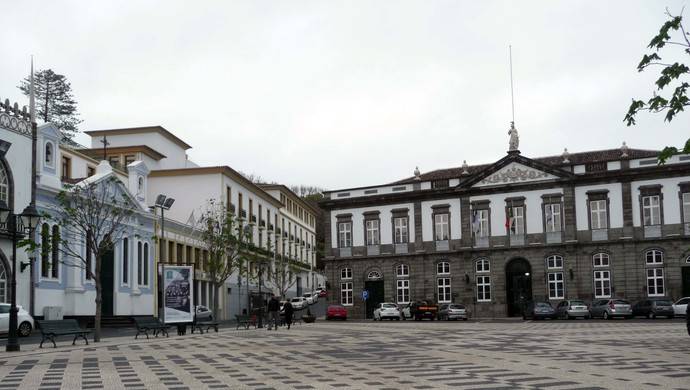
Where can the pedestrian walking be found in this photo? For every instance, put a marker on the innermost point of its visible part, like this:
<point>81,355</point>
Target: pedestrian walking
<point>273,313</point>
<point>687,318</point>
<point>289,311</point>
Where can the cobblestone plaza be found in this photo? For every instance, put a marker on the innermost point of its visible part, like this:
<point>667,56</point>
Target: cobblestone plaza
<point>367,355</point>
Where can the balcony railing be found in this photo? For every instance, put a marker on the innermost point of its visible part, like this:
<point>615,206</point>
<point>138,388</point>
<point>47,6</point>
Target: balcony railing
<point>262,223</point>
<point>243,214</point>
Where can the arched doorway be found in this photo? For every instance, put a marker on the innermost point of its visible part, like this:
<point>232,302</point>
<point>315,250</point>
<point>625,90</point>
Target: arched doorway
<point>374,285</point>
<point>518,285</point>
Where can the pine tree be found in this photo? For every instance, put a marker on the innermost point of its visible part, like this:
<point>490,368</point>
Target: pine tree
<point>54,101</point>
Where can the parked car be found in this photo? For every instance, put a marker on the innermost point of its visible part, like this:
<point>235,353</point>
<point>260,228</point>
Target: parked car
<point>654,307</point>
<point>539,310</point>
<point>299,303</point>
<point>452,311</point>
<point>405,311</point>
<point>24,319</point>
<point>423,309</point>
<point>323,293</point>
<point>315,296</point>
<point>386,310</point>
<point>309,298</point>
<point>336,311</point>
<point>610,308</point>
<point>203,313</point>
<point>572,308</point>
<point>681,306</point>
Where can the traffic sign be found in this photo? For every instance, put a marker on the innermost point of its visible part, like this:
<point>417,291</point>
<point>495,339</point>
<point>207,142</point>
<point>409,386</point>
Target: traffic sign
<point>365,294</point>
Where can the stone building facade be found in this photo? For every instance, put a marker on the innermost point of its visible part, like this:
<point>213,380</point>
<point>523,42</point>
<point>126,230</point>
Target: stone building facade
<point>607,223</point>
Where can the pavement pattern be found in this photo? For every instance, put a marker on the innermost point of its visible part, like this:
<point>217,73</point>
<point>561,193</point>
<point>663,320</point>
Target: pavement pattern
<point>371,355</point>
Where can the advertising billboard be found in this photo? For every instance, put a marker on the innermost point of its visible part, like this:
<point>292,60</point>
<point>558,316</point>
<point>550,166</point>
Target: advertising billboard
<point>178,294</point>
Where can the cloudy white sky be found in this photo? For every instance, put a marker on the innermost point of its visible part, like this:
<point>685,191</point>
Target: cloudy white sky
<point>348,93</point>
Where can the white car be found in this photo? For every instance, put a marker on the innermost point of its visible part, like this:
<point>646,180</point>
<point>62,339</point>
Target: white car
<point>309,298</point>
<point>299,303</point>
<point>24,319</point>
<point>315,295</point>
<point>680,307</point>
<point>386,310</point>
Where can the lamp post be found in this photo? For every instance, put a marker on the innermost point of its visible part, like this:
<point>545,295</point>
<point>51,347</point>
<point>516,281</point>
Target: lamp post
<point>16,226</point>
<point>163,203</point>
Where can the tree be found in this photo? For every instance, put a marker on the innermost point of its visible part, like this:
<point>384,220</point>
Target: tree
<point>94,215</point>
<point>225,242</point>
<point>54,101</point>
<point>304,191</point>
<point>673,75</point>
<point>283,274</point>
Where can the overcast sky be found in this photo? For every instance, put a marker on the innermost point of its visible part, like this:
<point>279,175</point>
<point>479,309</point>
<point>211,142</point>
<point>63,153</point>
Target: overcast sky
<point>348,93</point>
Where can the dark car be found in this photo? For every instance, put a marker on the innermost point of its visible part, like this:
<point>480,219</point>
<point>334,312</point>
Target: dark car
<point>654,307</point>
<point>610,308</point>
<point>423,309</point>
<point>203,313</point>
<point>336,311</point>
<point>538,310</point>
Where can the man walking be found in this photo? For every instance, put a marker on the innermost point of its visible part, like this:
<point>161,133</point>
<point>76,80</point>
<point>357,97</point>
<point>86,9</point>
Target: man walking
<point>273,313</point>
<point>289,310</point>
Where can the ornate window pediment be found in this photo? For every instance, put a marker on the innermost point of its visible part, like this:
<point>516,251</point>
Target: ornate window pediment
<point>374,275</point>
<point>515,173</point>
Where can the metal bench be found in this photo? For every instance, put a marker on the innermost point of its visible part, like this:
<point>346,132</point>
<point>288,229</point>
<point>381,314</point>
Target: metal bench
<point>207,324</point>
<point>150,324</point>
<point>245,320</point>
<point>50,329</point>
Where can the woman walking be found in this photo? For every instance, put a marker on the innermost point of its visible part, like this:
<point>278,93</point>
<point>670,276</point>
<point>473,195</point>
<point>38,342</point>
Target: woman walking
<point>288,313</point>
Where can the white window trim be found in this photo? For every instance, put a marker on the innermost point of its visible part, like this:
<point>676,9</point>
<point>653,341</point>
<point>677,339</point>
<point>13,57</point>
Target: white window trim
<point>346,287</point>
<point>601,280</point>
<point>519,221</point>
<point>50,277</point>
<point>651,209</point>
<point>602,256</point>
<point>655,278</point>
<point>601,214</point>
<point>399,229</point>
<point>555,282</point>
<point>448,286</point>
<point>483,218</point>
<point>403,267</point>
<point>654,263</point>
<point>552,227</point>
<point>685,206</point>
<point>344,235</point>
<point>405,288</point>
<point>484,269</point>
<point>373,231</point>
<point>50,163</point>
<point>441,226</point>
<point>443,270</point>
<point>122,262</point>
<point>484,286</point>
<point>555,258</point>
<point>348,273</point>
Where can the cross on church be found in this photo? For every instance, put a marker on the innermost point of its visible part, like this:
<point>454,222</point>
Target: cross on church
<point>105,143</point>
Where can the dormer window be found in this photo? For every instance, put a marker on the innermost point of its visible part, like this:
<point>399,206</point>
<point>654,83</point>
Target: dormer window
<point>49,154</point>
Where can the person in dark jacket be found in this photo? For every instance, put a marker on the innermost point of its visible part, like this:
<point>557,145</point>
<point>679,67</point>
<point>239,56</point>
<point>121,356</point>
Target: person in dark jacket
<point>273,313</point>
<point>289,310</point>
<point>687,318</point>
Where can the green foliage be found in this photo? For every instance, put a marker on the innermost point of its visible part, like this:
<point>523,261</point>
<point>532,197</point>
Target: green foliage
<point>54,101</point>
<point>669,75</point>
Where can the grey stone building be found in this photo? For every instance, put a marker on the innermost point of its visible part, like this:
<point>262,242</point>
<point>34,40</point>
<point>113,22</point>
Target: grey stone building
<point>599,224</point>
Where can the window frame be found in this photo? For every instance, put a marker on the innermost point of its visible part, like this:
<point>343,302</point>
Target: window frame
<point>555,259</point>
<point>446,288</point>
<point>441,268</point>
<point>602,280</point>
<point>344,235</point>
<point>658,275</point>
<point>444,225</point>
<point>650,209</point>
<point>375,231</point>
<point>553,279</point>
<point>550,206</point>
<point>346,273</point>
<point>486,265</point>
<point>403,267</point>
<point>656,253</point>
<point>406,236</point>
<point>601,256</point>
<point>124,266</point>
<point>402,289</point>
<point>346,293</point>
<point>483,286</point>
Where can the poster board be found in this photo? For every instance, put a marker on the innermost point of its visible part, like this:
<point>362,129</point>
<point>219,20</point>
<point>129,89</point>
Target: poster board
<point>178,294</point>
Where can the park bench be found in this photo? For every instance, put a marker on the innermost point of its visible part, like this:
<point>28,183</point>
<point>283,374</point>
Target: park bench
<point>150,324</point>
<point>245,320</point>
<point>199,325</point>
<point>50,329</point>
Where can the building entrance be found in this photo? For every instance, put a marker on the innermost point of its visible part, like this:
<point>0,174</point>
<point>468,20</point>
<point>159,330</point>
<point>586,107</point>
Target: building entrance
<point>686,281</point>
<point>518,285</point>
<point>107,283</point>
<point>376,295</point>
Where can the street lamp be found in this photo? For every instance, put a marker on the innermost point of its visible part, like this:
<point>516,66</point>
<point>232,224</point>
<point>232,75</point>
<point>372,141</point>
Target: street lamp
<point>163,203</point>
<point>16,226</point>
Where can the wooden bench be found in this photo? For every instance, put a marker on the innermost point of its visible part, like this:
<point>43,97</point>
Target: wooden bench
<point>53,328</point>
<point>245,320</point>
<point>207,324</point>
<point>146,324</point>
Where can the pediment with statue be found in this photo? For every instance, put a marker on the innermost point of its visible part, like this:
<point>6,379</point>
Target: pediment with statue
<point>515,173</point>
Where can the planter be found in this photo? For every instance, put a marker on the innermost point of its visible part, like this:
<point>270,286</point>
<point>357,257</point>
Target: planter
<point>308,319</point>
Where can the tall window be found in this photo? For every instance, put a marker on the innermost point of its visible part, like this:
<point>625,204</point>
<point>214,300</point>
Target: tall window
<point>403,290</point>
<point>651,210</point>
<point>654,256</point>
<point>480,223</point>
<point>372,232</point>
<point>145,268</point>
<point>600,260</point>
<point>552,216</point>
<point>602,284</point>
<point>400,224</point>
<point>346,273</point>
<point>48,155</point>
<point>4,185</point>
<point>516,220</point>
<point>402,271</point>
<point>346,293</point>
<point>125,260</point>
<point>598,214</point>
<point>443,268</point>
<point>686,206</point>
<point>45,253</point>
<point>55,255</point>
<point>345,234</point>
<point>441,227</point>
<point>140,262</point>
<point>655,282</point>
<point>556,284</point>
<point>66,167</point>
<point>443,290</point>
<point>483,288</point>
<point>483,266</point>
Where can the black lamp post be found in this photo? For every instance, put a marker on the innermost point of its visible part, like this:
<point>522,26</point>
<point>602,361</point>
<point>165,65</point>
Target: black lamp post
<point>163,203</point>
<point>16,226</point>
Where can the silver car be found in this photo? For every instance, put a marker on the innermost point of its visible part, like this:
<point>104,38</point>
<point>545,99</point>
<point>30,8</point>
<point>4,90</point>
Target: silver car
<point>452,311</point>
<point>572,308</point>
<point>610,308</point>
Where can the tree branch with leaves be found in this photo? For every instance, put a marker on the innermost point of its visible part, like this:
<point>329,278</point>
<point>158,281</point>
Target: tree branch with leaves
<point>673,76</point>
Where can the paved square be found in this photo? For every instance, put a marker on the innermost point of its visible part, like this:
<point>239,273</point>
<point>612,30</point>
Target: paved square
<point>388,355</point>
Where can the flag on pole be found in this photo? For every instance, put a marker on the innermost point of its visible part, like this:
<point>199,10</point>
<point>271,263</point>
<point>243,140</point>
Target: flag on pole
<point>509,219</point>
<point>475,222</point>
